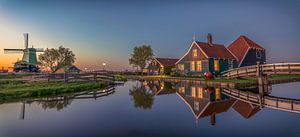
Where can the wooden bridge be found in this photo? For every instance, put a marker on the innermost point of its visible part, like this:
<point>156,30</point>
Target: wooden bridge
<point>279,103</point>
<point>66,77</point>
<point>266,69</point>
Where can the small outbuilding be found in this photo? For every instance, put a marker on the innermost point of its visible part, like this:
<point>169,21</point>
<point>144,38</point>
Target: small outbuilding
<point>161,66</point>
<point>247,52</point>
<point>71,69</point>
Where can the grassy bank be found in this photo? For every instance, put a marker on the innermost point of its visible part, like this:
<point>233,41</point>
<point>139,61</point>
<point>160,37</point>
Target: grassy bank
<point>243,82</point>
<point>18,89</point>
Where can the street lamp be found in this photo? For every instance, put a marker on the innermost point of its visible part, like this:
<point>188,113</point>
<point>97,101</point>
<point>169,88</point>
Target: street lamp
<point>103,65</point>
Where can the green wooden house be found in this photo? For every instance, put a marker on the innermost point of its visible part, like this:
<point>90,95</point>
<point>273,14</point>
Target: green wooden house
<point>207,56</point>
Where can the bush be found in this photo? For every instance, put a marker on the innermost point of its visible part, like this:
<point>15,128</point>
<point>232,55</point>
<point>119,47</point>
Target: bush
<point>120,78</point>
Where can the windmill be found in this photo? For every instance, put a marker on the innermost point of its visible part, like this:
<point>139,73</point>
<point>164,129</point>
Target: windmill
<point>29,59</point>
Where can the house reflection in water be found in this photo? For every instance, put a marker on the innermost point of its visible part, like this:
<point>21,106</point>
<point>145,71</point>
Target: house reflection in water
<point>204,101</point>
<point>245,109</point>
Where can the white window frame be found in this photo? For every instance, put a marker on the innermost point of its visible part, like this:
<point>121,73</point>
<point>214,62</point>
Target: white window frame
<point>258,54</point>
<point>195,52</point>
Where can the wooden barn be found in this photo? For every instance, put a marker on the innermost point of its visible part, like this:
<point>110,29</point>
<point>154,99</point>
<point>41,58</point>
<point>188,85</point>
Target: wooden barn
<point>206,56</point>
<point>71,69</point>
<point>247,52</point>
<point>161,66</point>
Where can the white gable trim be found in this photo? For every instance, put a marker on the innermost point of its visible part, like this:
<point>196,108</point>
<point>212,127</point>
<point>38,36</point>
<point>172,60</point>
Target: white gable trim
<point>194,42</point>
<point>232,54</point>
<point>195,115</point>
<point>158,62</point>
<point>244,57</point>
<point>202,111</point>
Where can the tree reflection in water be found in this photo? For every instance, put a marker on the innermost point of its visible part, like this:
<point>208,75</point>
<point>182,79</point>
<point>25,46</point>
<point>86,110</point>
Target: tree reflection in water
<point>141,96</point>
<point>56,104</point>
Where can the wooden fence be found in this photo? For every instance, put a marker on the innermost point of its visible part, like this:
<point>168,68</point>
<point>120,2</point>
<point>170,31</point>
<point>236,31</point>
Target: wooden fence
<point>268,69</point>
<point>66,77</point>
<point>65,98</point>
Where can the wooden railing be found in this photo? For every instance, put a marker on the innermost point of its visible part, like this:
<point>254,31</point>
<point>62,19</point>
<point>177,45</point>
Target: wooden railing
<point>66,98</point>
<point>80,95</point>
<point>268,69</point>
<point>285,104</point>
<point>96,77</point>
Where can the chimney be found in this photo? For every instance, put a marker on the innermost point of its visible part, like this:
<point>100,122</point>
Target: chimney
<point>209,39</point>
<point>213,119</point>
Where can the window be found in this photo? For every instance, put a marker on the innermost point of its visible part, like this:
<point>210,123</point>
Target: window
<point>192,65</point>
<point>194,52</point>
<point>216,65</point>
<point>193,91</point>
<point>258,54</point>
<point>181,90</point>
<point>199,66</point>
<point>196,105</point>
<point>181,67</point>
<point>218,93</point>
<point>200,92</point>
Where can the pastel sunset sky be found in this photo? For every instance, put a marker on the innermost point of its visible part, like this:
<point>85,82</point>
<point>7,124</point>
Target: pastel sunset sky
<point>107,31</point>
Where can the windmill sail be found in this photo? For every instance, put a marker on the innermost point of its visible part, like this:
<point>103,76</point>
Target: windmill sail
<point>13,50</point>
<point>29,59</point>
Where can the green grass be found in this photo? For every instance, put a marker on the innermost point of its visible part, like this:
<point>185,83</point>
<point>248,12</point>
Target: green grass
<point>248,80</point>
<point>120,77</point>
<point>18,89</point>
<point>283,77</point>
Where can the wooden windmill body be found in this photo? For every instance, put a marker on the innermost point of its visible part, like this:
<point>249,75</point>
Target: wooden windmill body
<point>29,61</point>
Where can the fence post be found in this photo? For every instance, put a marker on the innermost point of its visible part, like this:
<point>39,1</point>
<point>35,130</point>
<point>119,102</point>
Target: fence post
<point>289,66</point>
<point>258,69</point>
<point>65,77</point>
<point>95,77</point>
<point>48,77</point>
<point>274,68</point>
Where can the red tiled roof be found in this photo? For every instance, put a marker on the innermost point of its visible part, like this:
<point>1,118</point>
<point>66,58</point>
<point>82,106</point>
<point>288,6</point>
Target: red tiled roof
<point>215,50</point>
<point>217,107</point>
<point>245,109</point>
<point>167,61</point>
<point>240,46</point>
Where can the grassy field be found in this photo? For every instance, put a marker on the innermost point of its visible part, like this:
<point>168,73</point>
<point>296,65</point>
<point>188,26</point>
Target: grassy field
<point>14,89</point>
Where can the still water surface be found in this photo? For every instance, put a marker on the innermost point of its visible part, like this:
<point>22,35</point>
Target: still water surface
<point>151,109</point>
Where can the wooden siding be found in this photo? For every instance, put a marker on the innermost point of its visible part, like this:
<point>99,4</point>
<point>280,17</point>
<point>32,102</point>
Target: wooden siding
<point>207,63</point>
<point>186,61</point>
<point>154,67</point>
<point>251,59</point>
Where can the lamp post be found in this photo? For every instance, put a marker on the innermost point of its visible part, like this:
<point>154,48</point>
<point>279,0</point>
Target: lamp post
<point>103,65</point>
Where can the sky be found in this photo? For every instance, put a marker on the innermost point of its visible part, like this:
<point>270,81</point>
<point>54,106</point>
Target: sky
<point>107,31</point>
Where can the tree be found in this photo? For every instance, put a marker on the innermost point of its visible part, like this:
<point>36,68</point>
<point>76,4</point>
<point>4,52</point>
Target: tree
<point>56,59</point>
<point>141,56</point>
<point>142,97</point>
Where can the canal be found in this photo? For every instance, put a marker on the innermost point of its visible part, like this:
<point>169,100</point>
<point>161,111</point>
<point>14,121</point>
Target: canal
<point>150,109</point>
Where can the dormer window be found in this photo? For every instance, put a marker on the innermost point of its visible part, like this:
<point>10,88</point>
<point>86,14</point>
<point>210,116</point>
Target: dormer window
<point>194,52</point>
<point>258,54</point>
